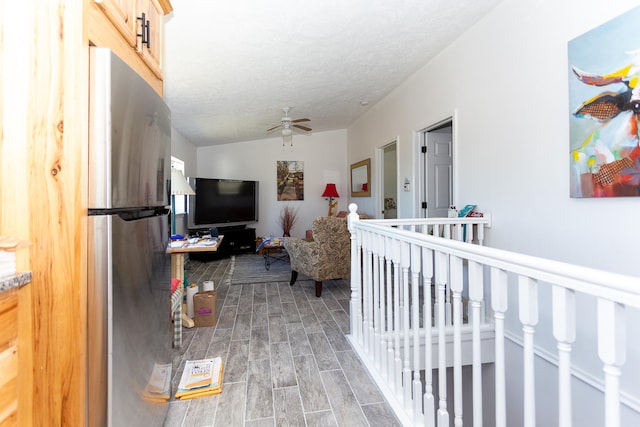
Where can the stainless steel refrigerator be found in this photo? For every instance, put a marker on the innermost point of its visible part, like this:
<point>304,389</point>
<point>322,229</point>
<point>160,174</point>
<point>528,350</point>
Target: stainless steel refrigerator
<point>129,330</point>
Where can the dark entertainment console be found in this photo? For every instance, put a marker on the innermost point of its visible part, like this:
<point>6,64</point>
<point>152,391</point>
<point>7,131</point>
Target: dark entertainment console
<point>237,240</point>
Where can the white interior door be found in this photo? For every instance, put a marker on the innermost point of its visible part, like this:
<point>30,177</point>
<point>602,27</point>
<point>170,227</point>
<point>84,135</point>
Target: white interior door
<point>438,169</point>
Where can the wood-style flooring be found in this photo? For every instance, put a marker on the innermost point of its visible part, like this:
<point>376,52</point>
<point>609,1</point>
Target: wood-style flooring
<point>286,359</point>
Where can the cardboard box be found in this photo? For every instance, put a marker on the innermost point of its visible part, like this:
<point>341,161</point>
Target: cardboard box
<point>204,308</point>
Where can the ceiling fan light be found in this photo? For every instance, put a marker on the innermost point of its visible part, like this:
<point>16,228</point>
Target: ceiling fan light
<point>286,132</point>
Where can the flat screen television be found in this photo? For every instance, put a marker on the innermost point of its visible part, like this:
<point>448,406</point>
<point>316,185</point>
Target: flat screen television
<point>222,202</point>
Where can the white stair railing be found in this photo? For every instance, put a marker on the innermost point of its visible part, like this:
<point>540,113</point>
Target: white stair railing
<point>418,294</point>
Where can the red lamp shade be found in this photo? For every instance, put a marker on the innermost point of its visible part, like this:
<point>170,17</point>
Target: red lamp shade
<point>330,191</point>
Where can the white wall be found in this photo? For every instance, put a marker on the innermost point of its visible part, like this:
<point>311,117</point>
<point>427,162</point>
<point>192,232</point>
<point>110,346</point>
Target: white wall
<point>324,157</point>
<point>505,82</point>
<point>185,151</point>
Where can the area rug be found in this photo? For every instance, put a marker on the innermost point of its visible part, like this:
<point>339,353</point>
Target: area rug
<point>250,269</point>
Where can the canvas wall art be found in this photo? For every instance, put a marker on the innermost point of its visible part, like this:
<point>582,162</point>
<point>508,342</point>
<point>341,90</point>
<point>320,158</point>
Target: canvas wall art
<point>290,179</point>
<point>604,96</point>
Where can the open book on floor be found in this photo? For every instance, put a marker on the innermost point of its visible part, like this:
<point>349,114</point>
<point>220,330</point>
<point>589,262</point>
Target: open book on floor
<point>200,378</point>
<point>159,385</point>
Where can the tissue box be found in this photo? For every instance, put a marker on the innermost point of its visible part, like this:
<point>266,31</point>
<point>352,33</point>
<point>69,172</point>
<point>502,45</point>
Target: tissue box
<point>204,308</point>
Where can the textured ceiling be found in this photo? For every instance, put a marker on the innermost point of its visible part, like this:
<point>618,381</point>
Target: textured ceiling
<point>231,66</point>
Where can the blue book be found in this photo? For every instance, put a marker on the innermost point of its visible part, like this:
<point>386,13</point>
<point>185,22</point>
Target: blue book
<point>466,211</point>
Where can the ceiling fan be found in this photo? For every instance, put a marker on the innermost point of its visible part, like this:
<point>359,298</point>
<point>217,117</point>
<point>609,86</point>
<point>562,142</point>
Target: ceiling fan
<point>289,123</point>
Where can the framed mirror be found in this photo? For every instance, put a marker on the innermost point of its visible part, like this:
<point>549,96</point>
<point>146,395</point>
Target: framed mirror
<point>361,179</point>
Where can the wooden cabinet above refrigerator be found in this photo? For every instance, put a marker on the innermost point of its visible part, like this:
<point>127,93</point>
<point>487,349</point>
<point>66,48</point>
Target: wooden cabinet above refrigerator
<point>134,30</point>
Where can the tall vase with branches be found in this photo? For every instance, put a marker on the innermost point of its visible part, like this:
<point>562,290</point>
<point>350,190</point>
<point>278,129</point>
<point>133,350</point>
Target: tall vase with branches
<point>288,218</point>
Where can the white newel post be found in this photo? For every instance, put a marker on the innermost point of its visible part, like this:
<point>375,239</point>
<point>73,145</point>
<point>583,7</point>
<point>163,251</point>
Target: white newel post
<point>528,312</point>
<point>476,296</point>
<point>564,331</point>
<point>499,304</point>
<point>611,349</point>
<point>356,271</point>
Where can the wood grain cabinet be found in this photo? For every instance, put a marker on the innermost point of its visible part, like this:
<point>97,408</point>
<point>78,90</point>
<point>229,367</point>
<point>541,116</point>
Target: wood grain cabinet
<point>9,357</point>
<point>141,25</point>
<point>152,27</point>
<point>121,13</point>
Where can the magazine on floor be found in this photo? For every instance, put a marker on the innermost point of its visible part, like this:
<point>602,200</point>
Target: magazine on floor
<point>200,378</point>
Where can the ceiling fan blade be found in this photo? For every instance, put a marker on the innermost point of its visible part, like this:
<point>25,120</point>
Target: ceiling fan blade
<point>300,120</point>
<point>273,128</point>
<point>302,127</point>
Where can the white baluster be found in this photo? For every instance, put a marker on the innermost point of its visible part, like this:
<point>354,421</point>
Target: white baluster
<point>389,306</point>
<point>499,305</point>
<point>456,288</point>
<point>442,273</point>
<point>366,291</point>
<point>476,295</point>
<point>427,275</point>
<point>611,349</point>
<point>481,234</point>
<point>397,371</point>
<point>528,312</point>
<point>381,320</point>
<point>406,370</point>
<point>415,327</point>
<point>375,319</point>
<point>447,231</point>
<point>447,307</point>
<point>564,331</point>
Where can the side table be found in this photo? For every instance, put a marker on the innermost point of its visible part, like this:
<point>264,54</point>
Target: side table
<point>177,272</point>
<point>272,251</point>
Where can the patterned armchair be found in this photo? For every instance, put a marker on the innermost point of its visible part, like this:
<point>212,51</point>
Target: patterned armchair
<point>326,257</point>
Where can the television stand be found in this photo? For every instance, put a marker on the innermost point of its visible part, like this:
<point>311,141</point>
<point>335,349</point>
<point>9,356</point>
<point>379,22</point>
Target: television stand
<point>237,240</point>
<point>232,228</point>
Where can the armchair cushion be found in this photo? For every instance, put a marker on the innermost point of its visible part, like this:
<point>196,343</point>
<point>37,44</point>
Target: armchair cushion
<point>327,257</point>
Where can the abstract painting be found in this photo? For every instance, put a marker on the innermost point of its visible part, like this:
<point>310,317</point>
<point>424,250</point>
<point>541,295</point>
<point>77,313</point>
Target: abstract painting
<point>604,97</point>
<point>290,179</point>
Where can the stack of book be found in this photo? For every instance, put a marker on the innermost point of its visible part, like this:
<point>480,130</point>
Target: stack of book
<point>200,378</point>
<point>159,385</point>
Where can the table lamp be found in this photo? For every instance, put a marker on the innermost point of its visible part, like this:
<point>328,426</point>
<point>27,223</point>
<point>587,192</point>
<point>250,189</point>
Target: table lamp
<point>179,186</point>
<point>331,192</point>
